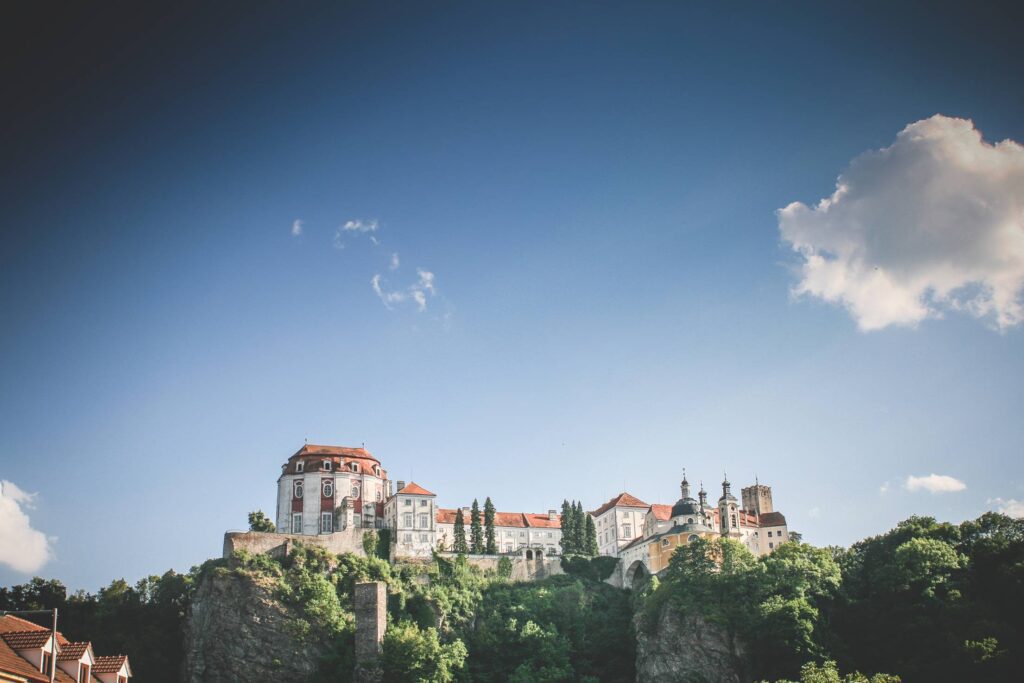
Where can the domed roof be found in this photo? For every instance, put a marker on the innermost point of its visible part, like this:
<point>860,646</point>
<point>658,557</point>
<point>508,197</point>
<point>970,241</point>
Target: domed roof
<point>686,506</point>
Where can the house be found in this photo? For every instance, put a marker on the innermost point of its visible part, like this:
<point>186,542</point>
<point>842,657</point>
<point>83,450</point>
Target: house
<point>27,651</point>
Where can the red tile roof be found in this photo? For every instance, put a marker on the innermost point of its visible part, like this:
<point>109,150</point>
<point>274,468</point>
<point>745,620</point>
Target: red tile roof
<point>12,663</point>
<point>9,622</point>
<point>335,451</point>
<point>623,500</point>
<point>72,651</point>
<point>109,665</point>
<point>773,519</point>
<point>341,456</point>
<point>414,489</point>
<point>662,512</point>
<point>520,520</point>
<point>26,640</point>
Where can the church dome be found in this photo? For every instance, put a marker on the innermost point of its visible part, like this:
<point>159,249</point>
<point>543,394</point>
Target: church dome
<point>686,506</point>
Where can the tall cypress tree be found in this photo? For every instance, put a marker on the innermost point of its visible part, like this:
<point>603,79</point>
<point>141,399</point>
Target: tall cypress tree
<point>591,534</point>
<point>567,517</point>
<point>459,542</point>
<point>579,528</point>
<point>490,547</point>
<point>476,532</point>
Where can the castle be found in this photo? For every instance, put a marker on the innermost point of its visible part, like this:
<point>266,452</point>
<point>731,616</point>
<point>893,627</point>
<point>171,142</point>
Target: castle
<point>332,490</point>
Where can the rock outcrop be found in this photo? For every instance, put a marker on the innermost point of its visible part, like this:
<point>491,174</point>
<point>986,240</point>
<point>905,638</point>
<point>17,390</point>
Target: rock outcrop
<point>238,630</point>
<point>689,649</point>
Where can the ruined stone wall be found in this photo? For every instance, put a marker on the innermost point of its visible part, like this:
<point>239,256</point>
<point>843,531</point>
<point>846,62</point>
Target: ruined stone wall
<point>279,545</point>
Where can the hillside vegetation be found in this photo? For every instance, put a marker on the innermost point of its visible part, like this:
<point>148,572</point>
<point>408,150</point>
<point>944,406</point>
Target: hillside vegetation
<point>927,601</point>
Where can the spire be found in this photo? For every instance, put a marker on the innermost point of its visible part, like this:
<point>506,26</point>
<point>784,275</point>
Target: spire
<point>725,484</point>
<point>703,495</point>
<point>684,487</point>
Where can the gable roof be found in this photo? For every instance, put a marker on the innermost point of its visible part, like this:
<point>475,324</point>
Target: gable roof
<point>26,640</point>
<point>109,665</point>
<point>623,500</point>
<point>772,519</point>
<point>662,512</point>
<point>414,489</point>
<point>521,520</point>
<point>73,651</point>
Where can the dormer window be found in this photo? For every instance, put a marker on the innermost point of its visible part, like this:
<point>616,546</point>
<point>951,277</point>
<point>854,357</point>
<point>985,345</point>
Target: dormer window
<point>353,466</point>
<point>327,465</point>
<point>376,470</point>
<point>44,665</point>
<point>300,466</point>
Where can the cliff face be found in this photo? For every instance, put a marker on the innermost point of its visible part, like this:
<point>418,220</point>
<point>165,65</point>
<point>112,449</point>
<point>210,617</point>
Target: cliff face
<point>686,649</point>
<point>238,631</point>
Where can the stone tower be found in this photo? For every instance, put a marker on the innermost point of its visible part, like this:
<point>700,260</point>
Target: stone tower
<point>728,517</point>
<point>757,499</point>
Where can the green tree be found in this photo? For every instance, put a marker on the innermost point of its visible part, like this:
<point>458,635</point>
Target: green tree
<point>490,547</point>
<point>579,528</point>
<point>476,532</point>
<point>260,522</point>
<point>567,530</point>
<point>412,654</point>
<point>591,536</point>
<point>459,542</point>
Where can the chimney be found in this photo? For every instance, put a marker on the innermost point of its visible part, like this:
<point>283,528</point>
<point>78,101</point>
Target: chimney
<point>552,515</point>
<point>401,485</point>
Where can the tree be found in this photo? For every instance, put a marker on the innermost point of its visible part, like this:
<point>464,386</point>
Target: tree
<point>567,534</point>
<point>260,522</point>
<point>579,528</point>
<point>459,542</point>
<point>490,547</point>
<point>591,538</point>
<point>476,532</point>
<point>412,654</point>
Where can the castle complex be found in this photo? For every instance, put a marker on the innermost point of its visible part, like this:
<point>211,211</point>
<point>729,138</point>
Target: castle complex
<point>327,490</point>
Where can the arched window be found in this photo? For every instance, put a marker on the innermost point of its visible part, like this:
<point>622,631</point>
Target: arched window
<point>689,520</point>
<point>326,465</point>
<point>297,491</point>
<point>355,491</point>
<point>328,488</point>
<point>692,538</point>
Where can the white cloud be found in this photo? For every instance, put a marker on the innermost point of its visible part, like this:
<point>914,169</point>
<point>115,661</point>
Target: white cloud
<point>934,483</point>
<point>359,225</point>
<point>394,262</point>
<point>1011,507</point>
<point>416,292</point>
<point>933,222</point>
<point>296,227</point>
<point>884,488</point>
<point>22,548</point>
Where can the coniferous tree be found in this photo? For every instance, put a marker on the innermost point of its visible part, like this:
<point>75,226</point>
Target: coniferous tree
<point>476,532</point>
<point>490,546</point>
<point>591,534</point>
<point>579,529</point>
<point>459,542</point>
<point>567,517</point>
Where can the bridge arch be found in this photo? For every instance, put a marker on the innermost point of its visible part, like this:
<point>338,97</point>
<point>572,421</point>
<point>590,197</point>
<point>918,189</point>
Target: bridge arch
<point>636,575</point>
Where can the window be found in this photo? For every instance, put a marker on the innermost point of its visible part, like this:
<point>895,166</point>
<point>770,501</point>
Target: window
<point>297,523</point>
<point>378,496</point>
<point>423,502</point>
<point>300,466</point>
<point>550,535</point>
<point>692,538</point>
<point>376,470</point>
<point>407,519</point>
<point>83,674</point>
<point>424,538</point>
<point>326,465</point>
<point>297,489</point>
<point>733,518</point>
<point>407,538</point>
<point>627,530</point>
<point>521,534</point>
<point>508,547</point>
<point>771,545</point>
<point>407,502</point>
<point>424,521</point>
<point>328,488</point>
<point>355,491</point>
<point>44,666</point>
<point>326,523</point>
<point>508,533</point>
<point>769,534</point>
<point>353,466</point>
<point>689,520</point>
<point>664,543</point>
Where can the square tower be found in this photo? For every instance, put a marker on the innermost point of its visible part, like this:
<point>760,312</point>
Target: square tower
<point>757,499</point>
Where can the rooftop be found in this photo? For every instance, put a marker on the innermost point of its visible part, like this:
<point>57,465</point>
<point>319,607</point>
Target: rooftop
<point>623,500</point>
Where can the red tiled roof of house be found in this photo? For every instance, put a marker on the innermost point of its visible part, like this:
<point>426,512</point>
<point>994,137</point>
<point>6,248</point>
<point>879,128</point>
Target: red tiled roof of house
<point>624,500</point>
<point>773,519</point>
<point>662,512</point>
<point>12,663</point>
<point>26,640</point>
<point>9,622</point>
<point>109,665</point>
<point>504,519</point>
<point>334,451</point>
<point>414,489</point>
<point>72,651</point>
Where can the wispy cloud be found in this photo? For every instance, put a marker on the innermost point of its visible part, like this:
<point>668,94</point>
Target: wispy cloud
<point>934,483</point>
<point>884,488</point>
<point>930,224</point>
<point>296,227</point>
<point>360,225</point>
<point>1010,507</point>
<point>417,292</point>
<point>394,262</point>
<point>22,548</point>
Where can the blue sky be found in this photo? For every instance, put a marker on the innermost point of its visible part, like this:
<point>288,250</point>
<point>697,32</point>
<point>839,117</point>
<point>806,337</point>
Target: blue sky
<point>594,188</point>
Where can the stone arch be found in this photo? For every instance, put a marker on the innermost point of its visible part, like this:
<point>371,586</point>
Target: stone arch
<point>636,575</point>
<point>529,553</point>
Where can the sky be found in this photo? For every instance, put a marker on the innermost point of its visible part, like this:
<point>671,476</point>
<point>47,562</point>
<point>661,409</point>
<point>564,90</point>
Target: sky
<point>531,251</point>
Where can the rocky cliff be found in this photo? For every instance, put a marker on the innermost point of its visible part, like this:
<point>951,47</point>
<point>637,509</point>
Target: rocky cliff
<point>238,630</point>
<point>674,648</point>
